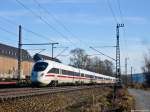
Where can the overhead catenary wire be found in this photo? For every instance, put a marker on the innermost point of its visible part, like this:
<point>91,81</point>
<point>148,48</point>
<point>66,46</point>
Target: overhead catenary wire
<point>120,11</point>
<point>104,46</point>
<point>112,11</point>
<point>39,50</point>
<point>37,34</point>
<point>17,25</point>
<point>9,32</point>
<point>59,22</point>
<point>45,21</point>
<point>26,29</point>
<point>122,20</point>
<point>50,14</point>
<point>61,52</point>
<point>103,54</point>
<point>116,20</point>
<point>5,30</point>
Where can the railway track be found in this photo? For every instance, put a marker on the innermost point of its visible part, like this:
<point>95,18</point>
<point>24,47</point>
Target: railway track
<point>17,93</point>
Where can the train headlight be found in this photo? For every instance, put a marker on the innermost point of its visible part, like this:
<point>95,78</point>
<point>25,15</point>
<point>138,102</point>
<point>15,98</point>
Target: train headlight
<point>42,74</point>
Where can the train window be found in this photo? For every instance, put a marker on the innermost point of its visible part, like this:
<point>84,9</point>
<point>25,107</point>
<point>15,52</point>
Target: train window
<point>91,76</point>
<point>88,76</point>
<point>82,75</point>
<point>76,74</point>
<point>54,70</point>
<point>71,73</point>
<point>40,66</point>
<point>65,72</point>
<point>96,77</point>
<point>68,72</point>
<point>99,77</point>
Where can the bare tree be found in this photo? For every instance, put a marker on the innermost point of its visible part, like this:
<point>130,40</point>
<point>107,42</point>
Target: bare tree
<point>102,67</point>
<point>146,68</point>
<point>109,67</point>
<point>80,59</point>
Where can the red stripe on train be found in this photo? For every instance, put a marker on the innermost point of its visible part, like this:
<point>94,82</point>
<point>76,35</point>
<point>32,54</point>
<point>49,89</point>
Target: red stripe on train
<point>50,75</point>
<point>64,76</point>
<point>7,83</point>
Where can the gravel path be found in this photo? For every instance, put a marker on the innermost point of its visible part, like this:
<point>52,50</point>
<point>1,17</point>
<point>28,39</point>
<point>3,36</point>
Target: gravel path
<point>142,99</point>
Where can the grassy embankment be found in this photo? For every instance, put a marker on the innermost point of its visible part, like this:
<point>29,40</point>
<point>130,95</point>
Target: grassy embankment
<point>89,100</point>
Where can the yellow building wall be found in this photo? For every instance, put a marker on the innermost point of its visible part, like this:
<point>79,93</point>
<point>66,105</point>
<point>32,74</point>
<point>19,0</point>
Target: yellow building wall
<point>10,66</point>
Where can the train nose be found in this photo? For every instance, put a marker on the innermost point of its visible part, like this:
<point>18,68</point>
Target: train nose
<point>41,75</point>
<point>37,76</point>
<point>33,76</point>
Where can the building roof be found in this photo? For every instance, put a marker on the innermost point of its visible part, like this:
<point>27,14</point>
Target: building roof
<point>12,52</point>
<point>38,57</point>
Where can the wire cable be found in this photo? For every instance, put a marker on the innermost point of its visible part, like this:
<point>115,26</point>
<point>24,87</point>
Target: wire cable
<point>120,11</point>
<point>9,32</point>
<point>58,21</point>
<point>5,30</point>
<point>61,52</point>
<point>111,9</point>
<point>122,20</point>
<point>26,29</point>
<point>44,21</point>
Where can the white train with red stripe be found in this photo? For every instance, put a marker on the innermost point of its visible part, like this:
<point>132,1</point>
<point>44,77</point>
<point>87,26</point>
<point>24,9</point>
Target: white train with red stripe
<point>50,72</point>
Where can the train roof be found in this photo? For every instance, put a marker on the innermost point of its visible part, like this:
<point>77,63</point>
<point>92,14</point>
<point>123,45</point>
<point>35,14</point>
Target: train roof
<point>63,66</point>
<point>38,57</point>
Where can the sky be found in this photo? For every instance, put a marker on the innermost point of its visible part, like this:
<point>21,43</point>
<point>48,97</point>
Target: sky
<point>79,24</point>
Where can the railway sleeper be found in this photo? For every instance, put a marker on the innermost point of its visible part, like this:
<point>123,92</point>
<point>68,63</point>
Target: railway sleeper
<point>50,92</point>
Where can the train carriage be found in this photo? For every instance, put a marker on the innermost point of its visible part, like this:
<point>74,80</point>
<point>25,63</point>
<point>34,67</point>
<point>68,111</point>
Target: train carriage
<point>50,72</point>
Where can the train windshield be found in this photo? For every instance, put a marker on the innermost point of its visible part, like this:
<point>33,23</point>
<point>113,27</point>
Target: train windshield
<point>40,66</point>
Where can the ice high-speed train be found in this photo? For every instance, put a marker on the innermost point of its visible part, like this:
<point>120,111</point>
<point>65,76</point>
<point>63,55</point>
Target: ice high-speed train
<point>49,72</point>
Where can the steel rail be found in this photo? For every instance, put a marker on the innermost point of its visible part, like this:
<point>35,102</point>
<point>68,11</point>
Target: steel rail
<point>40,91</point>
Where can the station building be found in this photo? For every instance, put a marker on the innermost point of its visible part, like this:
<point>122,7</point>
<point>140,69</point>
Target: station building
<point>9,62</point>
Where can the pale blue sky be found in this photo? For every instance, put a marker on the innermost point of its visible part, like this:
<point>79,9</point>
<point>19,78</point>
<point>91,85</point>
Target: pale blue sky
<point>90,21</point>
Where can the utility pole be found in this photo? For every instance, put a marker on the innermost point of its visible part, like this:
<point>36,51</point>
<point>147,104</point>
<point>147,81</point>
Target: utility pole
<point>118,68</point>
<point>126,66</point>
<point>19,52</point>
<point>53,48</point>
<point>131,76</point>
<point>126,70</point>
